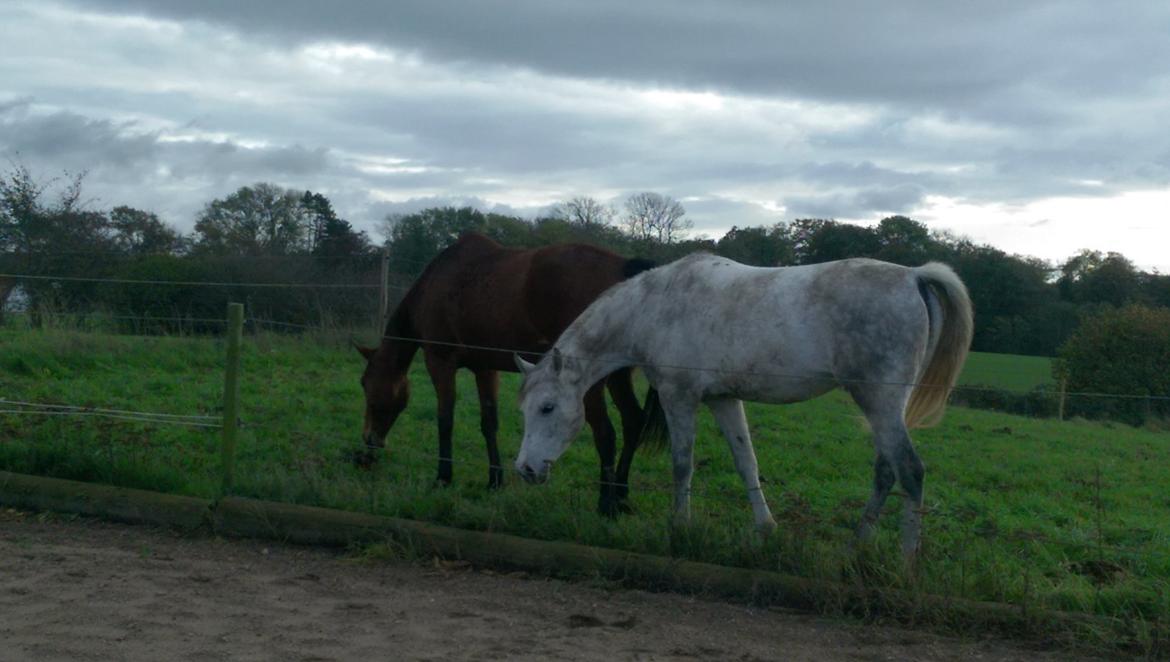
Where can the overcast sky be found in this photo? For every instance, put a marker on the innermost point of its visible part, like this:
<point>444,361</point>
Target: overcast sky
<point>1038,127</point>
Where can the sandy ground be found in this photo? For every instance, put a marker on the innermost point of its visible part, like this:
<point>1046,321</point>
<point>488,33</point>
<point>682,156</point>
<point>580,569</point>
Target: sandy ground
<point>88,590</point>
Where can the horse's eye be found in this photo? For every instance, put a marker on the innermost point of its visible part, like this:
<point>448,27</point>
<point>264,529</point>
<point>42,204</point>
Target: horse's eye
<point>547,408</point>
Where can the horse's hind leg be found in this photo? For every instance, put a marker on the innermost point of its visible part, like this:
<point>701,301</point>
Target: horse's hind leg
<point>621,388</point>
<point>733,423</point>
<point>896,460</point>
<point>883,482</point>
<point>911,473</point>
<point>488,384</point>
<point>604,440</point>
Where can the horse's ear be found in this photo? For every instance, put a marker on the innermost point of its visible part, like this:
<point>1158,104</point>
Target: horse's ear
<point>366,352</point>
<point>523,366</point>
<point>558,360</point>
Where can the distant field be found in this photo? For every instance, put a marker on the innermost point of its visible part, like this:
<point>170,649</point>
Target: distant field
<point>1007,371</point>
<point>1048,514</point>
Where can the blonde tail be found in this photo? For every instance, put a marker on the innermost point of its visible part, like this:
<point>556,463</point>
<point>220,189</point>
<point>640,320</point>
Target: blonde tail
<point>952,325</point>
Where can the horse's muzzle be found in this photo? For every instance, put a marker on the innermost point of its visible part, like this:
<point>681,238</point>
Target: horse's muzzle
<point>369,454</point>
<point>530,475</point>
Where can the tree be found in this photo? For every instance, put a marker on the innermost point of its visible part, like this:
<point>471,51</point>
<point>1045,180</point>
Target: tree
<point>1124,352</point>
<point>328,234</point>
<point>415,239</point>
<point>339,239</point>
<point>585,212</point>
<point>903,240</point>
<point>263,219</point>
<point>28,224</point>
<point>759,246</point>
<point>1090,277</point>
<point>818,240</point>
<point>1007,292</point>
<point>138,232</point>
<point>320,215</point>
<point>651,216</point>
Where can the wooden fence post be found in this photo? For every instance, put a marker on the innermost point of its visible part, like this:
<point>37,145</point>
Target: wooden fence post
<point>384,299</point>
<point>231,393</point>
<point>1063,392</point>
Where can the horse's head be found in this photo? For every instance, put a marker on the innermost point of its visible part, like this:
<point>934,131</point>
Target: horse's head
<point>553,413</point>
<point>387,391</point>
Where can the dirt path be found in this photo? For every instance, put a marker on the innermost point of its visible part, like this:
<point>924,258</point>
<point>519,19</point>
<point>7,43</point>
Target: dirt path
<point>88,590</point>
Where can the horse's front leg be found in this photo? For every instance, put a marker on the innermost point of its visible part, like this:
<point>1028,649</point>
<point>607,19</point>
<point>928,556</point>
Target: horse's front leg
<point>604,438</point>
<point>443,377</point>
<point>488,384</point>
<point>733,423</point>
<point>680,418</point>
<point>621,388</point>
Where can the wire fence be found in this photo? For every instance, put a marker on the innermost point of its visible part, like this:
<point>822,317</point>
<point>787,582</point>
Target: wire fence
<point>487,348</point>
<point>724,497</point>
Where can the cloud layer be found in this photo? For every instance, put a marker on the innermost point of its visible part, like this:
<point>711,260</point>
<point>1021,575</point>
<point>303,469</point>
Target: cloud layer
<point>974,117</point>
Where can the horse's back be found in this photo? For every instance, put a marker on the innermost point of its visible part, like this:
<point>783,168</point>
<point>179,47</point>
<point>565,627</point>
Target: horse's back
<point>564,279</point>
<point>850,319</point>
<point>478,292</point>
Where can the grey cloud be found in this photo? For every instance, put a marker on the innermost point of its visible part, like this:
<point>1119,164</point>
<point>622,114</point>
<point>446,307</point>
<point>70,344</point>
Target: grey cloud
<point>940,54</point>
<point>857,204</point>
<point>125,165</point>
<point>713,216</point>
<point>71,139</point>
<point>67,139</point>
<point>833,108</point>
<point>16,104</point>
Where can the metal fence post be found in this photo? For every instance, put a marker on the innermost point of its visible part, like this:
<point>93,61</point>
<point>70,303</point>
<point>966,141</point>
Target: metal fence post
<point>231,393</point>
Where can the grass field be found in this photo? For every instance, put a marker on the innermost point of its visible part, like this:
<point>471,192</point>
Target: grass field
<point>1064,515</point>
<point>1010,372</point>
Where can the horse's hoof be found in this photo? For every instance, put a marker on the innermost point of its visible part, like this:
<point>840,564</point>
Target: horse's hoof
<point>442,482</point>
<point>765,528</point>
<point>495,481</point>
<point>911,556</point>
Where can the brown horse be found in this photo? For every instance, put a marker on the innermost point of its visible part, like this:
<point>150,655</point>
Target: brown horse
<point>477,298</point>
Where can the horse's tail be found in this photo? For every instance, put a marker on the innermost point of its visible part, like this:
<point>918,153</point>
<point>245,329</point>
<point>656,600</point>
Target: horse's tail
<point>655,433</point>
<point>948,308</point>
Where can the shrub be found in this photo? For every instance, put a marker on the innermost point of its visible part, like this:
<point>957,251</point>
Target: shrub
<point>1040,402</point>
<point>1121,352</point>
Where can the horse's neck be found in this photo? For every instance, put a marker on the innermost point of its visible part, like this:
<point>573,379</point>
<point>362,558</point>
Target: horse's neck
<point>400,339</point>
<point>595,352</point>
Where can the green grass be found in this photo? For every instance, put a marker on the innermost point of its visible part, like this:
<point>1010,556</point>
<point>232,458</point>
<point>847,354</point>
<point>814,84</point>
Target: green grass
<point>1007,371</point>
<point>1069,515</point>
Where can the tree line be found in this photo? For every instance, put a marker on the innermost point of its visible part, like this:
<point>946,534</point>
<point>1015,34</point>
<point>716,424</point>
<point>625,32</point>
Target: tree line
<point>1024,305</point>
<point>268,234</point>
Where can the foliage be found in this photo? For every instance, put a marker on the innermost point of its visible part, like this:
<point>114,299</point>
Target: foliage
<point>263,219</point>
<point>758,246</point>
<point>138,232</point>
<point>267,234</point>
<point>1126,352</point>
